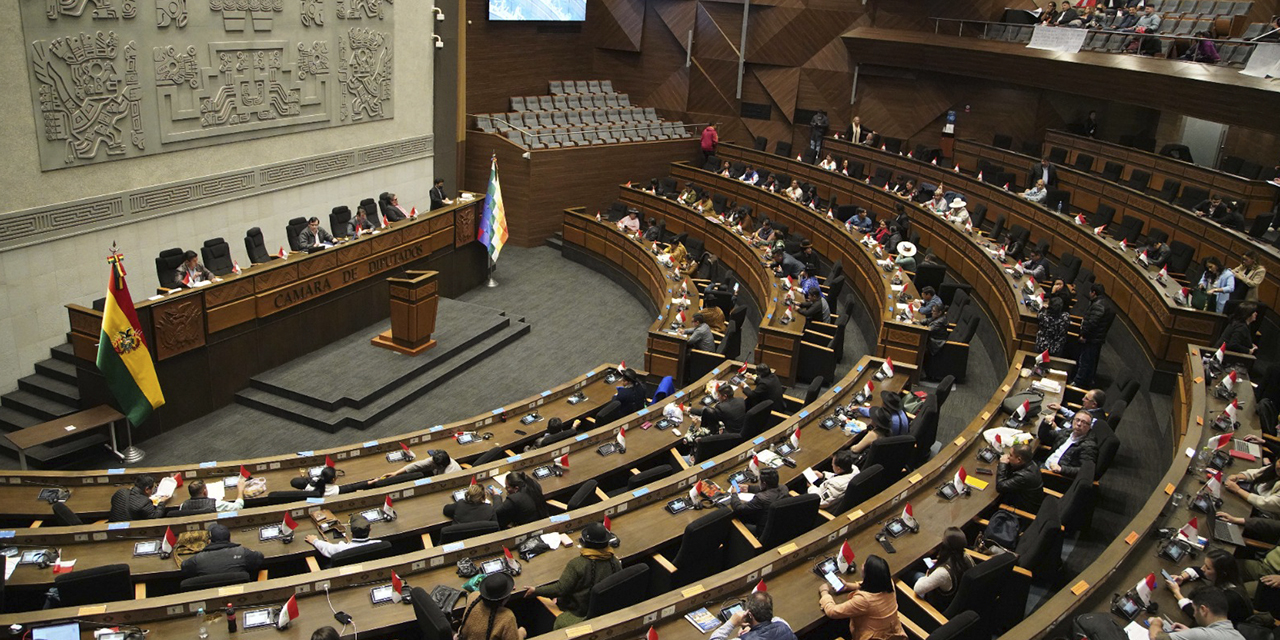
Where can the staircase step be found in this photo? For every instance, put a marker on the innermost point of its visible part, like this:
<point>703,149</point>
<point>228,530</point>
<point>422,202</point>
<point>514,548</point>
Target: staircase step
<point>55,390</point>
<point>64,352</point>
<point>12,420</point>
<point>58,370</point>
<point>34,405</point>
<point>556,242</point>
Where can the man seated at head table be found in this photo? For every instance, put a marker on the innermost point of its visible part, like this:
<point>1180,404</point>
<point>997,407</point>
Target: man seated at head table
<point>391,209</point>
<point>200,502</point>
<point>222,556</point>
<point>700,336</point>
<point>361,223</point>
<point>1070,447</point>
<point>358,532</point>
<point>314,235</point>
<point>191,271</point>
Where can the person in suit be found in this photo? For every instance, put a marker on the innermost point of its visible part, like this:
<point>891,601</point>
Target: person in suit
<point>1230,217</point>
<point>360,224</point>
<point>730,412</point>
<point>631,395</point>
<point>314,235</point>
<point>785,264</point>
<point>222,556</point>
<point>764,494</point>
<point>1091,404</point>
<point>1069,448</point>
<point>1035,265</point>
<point>391,209</point>
<point>1126,19</point>
<point>191,271</point>
<point>857,133</point>
<point>438,198</point>
<point>134,502</point>
<point>767,387</point>
<point>1158,253</point>
<point>1067,16</point>
<point>557,430</point>
<point>700,336</point>
<point>1238,334</point>
<point>1018,481</point>
<point>1212,208</point>
<point>1044,170</point>
<point>1093,333</point>
<point>524,502</point>
<point>474,507</point>
<point>815,307</point>
<point>200,502</point>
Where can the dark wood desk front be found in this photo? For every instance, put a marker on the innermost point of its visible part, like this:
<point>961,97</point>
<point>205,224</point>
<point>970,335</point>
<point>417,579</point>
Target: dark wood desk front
<point>209,341</point>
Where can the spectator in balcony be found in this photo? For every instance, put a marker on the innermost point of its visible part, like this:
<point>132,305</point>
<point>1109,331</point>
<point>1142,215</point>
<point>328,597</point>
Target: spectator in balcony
<point>1148,22</point>
<point>1091,18</point>
<point>1037,193</point>
<point>1049,15</point>
<point>1090,127</point>
<point>1067,16</point>
<point>1217,281</point>
<point>828,163</point>
<point>1203,50</point>
<point>1250,274</point>
<point>1126,19</point>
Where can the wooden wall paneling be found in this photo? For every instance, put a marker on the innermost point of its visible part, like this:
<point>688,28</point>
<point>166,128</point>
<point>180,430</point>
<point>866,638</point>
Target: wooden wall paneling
<point>615,24</point>
<point>507,59</point>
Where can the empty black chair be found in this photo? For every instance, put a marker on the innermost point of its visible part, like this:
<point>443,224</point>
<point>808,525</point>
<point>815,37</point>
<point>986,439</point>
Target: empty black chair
<point>1180,256</point>
<point>1076,505</point>
<point>957,628</point>
<point>782,148</point>
<point>978,215</point>
<point>711,446</point>
<point>340,220</point>
<point>608,413</point>
<point>216,255</point>
<point>213,580</point>
<point>808,393</point>
<point>619,591</point>
<point>869,481</point>
<point>1116,414</point>
<point>1058,200</point>
<point>649,475</point>
<point>1057,155</point>
<point>107,583</point>
<point>432,622</point>
<point>788,518</point>
<point>1108,445</point>
<point>585,495</point>
<point>292,230</point>
<point>976,589</point>
<point>167,264</point>
<point>1191,196</point>
<point>924,432</point>
<point>1129,229</point>
<point>892,145</point>
<point>1139,180</point>
<point>1002,141</point>
<point>1103,216</point>
<point>712,164</point>
<point>1169,191</point>
<point>464,530</point>
<point>757,420</point>
<point>894,453</point>
<point>761,143</point>
<point>702,549</point>
<point>1040,546</point>
<point>1068,267</point>
<point>362,553</point>
<point>945,387</point>
<point>496,453</point>
<point>1177,152</point>
<point>1259,225</point>
<point>256,247</point>
<point>997,227</point>
<point>63,516</point>
<point>1231,164</point>
<point>1084,162</point>
<point>1111,171</point>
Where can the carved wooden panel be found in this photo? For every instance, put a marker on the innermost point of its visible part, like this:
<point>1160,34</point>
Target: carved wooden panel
<point>464,227</point>
<point>178,326</point>
<point>231,289</point>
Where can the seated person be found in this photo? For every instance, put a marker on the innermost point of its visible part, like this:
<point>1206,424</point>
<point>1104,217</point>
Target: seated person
<point>755,621</point>
<point>938,204</point>
<point>134,502</point>
<point>1212,208</point>
<point>906,259</point>
<point>200,502</point>
<point>1127,19</point>
<point>391,208</point>
<point>767,387</point>
<point>828,163</point>
<point>794,191</point>
<point>807,257</point>
<point>524,502</point>
<point>1037,193</point>
<point>770,184</point>
<point>474,507</point>
<point>1210,608</point>
<point>487,618</point>
<point>679,254</point>
<point>191,271</point>
<point>572,591</point>
<point>1231,218</point>
<point>653,186</point>
<point>1203,50</point>
<point>1067,16</point>
<point>714,317</point>
<point>763,494</point>
<point>323,485</point>
<point>832,484</point>
<point>314,235</point>
<point>556,431</point>
<point>929,299</point>
<point>653,233</point>
<point>861,221</point>
<point>808,281</point>
<point>222,555</point>
<point>784,264</point>
<point>1264,494</point>
<point>1018,481</point>
<point>1049,14</point>
<point>700,336</point>
<point>1158,254</point>
<point>844,167</point>
<point>726,169</point>
<point>1062,291</point>
<point>765,235</point>
<point>815,307</point>
<point>631,394</point>
<point>1035,265</point>
<point>1238,334</point>
<point>1070,448</point>
<point>728,414</point>
<point>437,463</point>
<point>959,212</point>
<point>689,196</point>
<point>750,176</point>
<point>881,234</point>
<point>1091,19</point>
<point>938,584</point>
<point>360,224</point>
<point>1219,569</point>
<point>704,205</point>
<point>630,223</point>
<point>358,529</point>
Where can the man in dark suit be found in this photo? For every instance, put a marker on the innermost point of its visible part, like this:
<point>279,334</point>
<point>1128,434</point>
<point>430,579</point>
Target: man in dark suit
<point>222,556</point>
<point>1091,404</point>
<point>1069,448</point>
<point>767,387</point>
<point>765,493</point>
<point>1093,333</point>
<point>134,503</point>
<point>729,412</point>
<point>361,223</point>
<point>1044,170</point>
<point>1018,481</point>
<point>438,199</point>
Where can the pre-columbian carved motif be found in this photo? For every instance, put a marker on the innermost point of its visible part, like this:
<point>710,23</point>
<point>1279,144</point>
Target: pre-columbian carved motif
<point>84,98</point>
<point>364,70</point>
<point>102,9</point>
<point>237,14</point>
<point>358,9</point>
<point>314,60</point>
<point>171,12</point>
<point>312,13</point>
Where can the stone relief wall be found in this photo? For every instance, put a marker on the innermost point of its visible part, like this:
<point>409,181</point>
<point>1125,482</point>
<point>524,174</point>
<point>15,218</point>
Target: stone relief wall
<point>211,72</point>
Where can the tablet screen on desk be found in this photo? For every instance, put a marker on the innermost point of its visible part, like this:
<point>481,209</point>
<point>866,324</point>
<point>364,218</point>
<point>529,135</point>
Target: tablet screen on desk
<point>31,557</point>
<point>68,631</point>
<point>467,438</point>
<point>380,594</point>
<point>896,528</point>
<point>258,618</point>
<point>497,565</point>
<point>373,515</point>
<point>269,532</point>
<point>542,472</point>
<point>146,548</point>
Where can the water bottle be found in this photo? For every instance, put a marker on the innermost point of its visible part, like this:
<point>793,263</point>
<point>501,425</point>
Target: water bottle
<point>202,630</point>
<point>1059,207</point>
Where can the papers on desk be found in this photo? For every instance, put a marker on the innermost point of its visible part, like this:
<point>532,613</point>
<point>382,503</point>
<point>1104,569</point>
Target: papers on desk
<point>1265,61</point>
<point>1048,386</point>
<point>552,540</point>
<point>466,197</point>
<point>883,263</point>
<point>164,490</point>
<point>10,563</point>
<point>902,306</point>
<point>201,283</point>
<point>745,497</point>
<point>1135,631</point>
<point>899,288</point>
<point>1008,436</point>
<point>159,296</point>
<point>501,479</point>
<point>770,458</point>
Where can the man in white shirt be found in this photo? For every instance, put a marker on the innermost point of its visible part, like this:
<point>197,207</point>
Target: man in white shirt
<point>200,502</point>
<point>436,464</point>
<point>1036,193</point>
<point>630,223</point>
<point>1072,448</point>
<point>358,529</point>
<point>832,485</point>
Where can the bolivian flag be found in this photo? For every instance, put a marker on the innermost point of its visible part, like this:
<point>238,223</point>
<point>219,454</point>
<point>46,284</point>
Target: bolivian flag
<point>493,220</point>
<point>123,357</point>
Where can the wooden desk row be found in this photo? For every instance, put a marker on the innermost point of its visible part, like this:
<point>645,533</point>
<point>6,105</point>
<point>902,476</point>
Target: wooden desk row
<point>419,503</point>
<point>966,256</point>
<point>777,343</point>
<point>209,341</point>
<point>633,514</point>
<point>1164,328</point>
<point>1088,190</point>
<point>665,352</point>
<point>897,339</point>
<point>1257,195</point>
<point>1133,554</point>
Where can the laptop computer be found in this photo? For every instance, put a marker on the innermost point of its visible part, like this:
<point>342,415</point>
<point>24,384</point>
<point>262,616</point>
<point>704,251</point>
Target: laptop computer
<point>1247,447</point>
<point>1229,533</point>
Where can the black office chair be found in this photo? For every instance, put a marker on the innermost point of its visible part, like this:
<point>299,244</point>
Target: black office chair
<point>370,207</point>
<point>107,583</point>
<point>1002,141</point>
<point>761,143</point>
<point>432,622</point>
<point>787,519</point>
<point>256,246</point>
<point>782,148</point>
<point>702,549</point>
<point>216,255</point>
<point>1040,546</point>
<point>167,264</point>
<point>619,591</point>
<point>1139,180</point>
<point>1084,162</point>
<point>63,516</point>
<point>861,488</point>
<point>464,530</point>
<point>1111,171</point>
<point>1076,505</point>
<point>340,220</point>
<point>961,626</point>
<point>945,387</point>
<point>585,495</point>
<point>924,432</point>
<point>757,420</point>
<point>291,231</point>
<point>976,590</point>
<point>213,580</point>
<point>496,453</point>
<point>647,476</point>
<point>362,553</point>
<point>894,453</point>
<point>711,446</point>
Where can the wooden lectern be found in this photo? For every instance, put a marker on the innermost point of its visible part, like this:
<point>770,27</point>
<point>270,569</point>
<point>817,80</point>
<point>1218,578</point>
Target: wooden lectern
<point>413,313</point>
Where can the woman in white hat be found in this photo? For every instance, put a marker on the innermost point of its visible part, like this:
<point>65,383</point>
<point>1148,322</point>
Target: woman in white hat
<point>906,259</point>
<point>959,214</point>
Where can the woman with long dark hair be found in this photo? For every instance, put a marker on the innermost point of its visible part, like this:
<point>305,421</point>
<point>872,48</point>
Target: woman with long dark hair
<point>872,607</point>
<point>524,502</point>
<point>1265,494</point>
<point>938,584</point>
<point>1221,570</point>
<point>1238,334</point>
<point>322,485</point>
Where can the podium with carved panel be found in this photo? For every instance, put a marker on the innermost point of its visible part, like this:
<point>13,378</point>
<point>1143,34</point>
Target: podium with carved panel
<point>414,299</point>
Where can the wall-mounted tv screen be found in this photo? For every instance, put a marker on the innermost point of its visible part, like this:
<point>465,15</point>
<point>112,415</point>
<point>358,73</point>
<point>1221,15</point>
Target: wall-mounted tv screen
<point>538,10</point>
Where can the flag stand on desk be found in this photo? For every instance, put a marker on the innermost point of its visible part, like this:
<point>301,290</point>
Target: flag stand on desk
<point>493,221</point>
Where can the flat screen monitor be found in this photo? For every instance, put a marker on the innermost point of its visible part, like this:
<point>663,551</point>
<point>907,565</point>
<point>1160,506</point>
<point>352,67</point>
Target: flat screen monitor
<point>538,10</point>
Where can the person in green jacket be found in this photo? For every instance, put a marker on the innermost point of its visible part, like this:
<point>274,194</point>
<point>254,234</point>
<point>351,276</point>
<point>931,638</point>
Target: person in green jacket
<point>573,590</point>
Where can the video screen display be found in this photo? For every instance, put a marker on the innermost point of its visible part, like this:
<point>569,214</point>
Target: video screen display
<point>538,10</point>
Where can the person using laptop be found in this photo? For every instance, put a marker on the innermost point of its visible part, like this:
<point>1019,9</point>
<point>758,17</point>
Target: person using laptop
<point>1265,491</point>
<point>1221,570</point>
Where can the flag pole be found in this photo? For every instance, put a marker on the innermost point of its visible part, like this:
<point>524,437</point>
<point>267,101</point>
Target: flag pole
<point>132,454</point>
<point>492,266</point>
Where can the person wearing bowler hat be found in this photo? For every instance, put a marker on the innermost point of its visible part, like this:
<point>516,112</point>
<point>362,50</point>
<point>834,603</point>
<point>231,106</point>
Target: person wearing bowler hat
<point>573,590</point>
<point>906,257</point>
<point>892,404</point>
<point>881,427</point>
<point>488,618</point>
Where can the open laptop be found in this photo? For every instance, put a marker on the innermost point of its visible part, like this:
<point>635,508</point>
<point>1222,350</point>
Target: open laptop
<point>1229,533</point>
<point>1250,448</point>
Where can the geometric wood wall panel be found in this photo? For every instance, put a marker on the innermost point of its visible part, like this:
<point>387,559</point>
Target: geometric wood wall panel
<point>616,24</point>
<point>117,79</point>
<point>782,85</point>
<point>718,31</point>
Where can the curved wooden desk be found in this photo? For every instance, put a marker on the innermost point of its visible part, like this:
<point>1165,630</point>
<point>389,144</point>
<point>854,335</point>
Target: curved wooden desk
<point>965,255</point>
<point>1163,327</point>
<point>1088,190</point>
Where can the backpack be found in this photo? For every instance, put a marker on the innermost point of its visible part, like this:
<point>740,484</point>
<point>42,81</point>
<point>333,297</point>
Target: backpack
<point>1001,531</point>
<point>1096,626</point>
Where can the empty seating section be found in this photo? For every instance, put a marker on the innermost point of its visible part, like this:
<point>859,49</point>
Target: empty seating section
<point>579,113</point>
